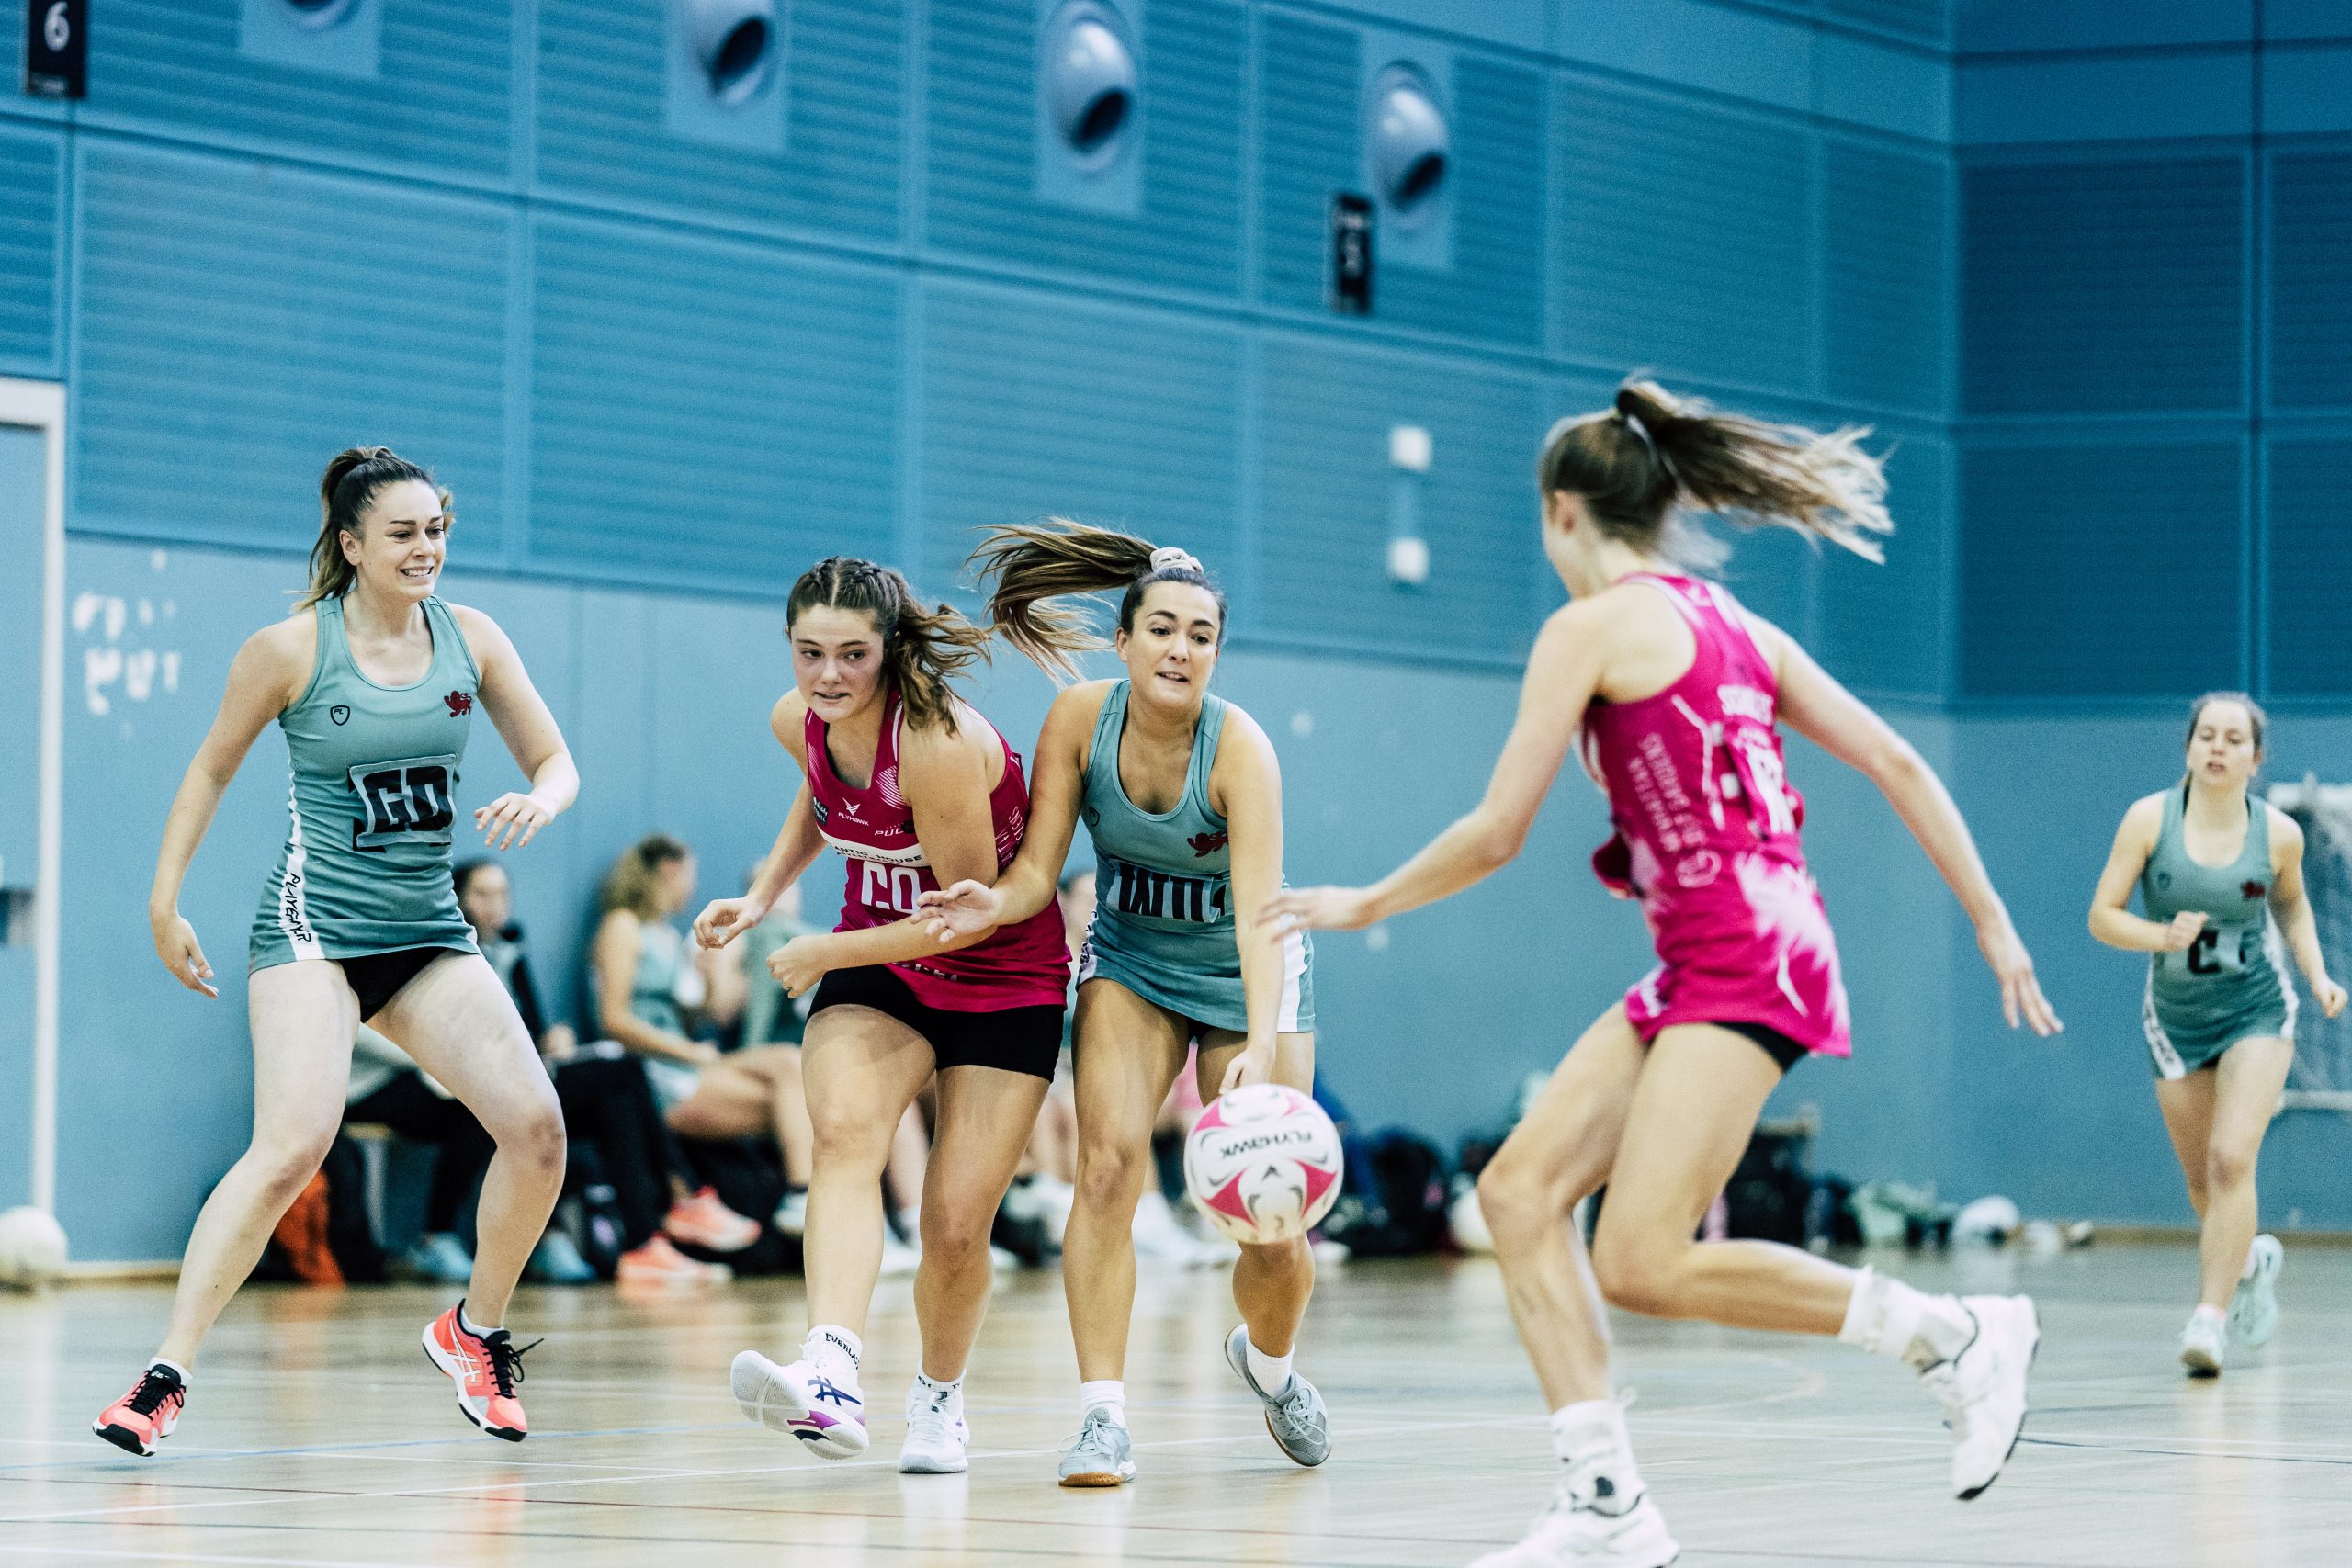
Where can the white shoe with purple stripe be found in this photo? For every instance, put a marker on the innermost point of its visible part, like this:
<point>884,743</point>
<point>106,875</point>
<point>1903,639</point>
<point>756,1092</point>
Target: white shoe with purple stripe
<point>827,1417</point>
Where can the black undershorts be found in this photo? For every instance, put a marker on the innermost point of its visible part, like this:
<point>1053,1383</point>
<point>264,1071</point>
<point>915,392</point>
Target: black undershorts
<point>377,977</point>
<point>1784,1052</point>
<point>1016,1040</point>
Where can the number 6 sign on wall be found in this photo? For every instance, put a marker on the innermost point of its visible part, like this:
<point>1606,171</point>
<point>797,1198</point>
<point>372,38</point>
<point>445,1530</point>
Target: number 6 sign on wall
<point>57,48</point>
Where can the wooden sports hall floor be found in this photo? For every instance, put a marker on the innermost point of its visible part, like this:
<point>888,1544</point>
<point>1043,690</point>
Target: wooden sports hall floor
<point>319,1436</point>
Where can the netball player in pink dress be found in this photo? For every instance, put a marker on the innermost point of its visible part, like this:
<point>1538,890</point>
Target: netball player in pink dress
<point>1673,691</point>
<point>912,784</point>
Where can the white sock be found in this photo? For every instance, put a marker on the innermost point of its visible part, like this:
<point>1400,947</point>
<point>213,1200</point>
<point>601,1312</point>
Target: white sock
<point>1272,1372</point>
<point>1593,1433</point>
<point>1887,1317</point>
<point>2207,1309</point>
<point>946,1394</point>
<point>1103,1393</point>
<point>833,1350</point>
<point>471,1326</point>
<point>171,1367</point>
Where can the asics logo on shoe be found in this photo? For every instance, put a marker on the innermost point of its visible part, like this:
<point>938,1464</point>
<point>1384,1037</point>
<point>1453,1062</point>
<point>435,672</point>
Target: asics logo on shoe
<point>826,1389</point>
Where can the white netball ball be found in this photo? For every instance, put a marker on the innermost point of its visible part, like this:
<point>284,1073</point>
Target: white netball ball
<point>32,1248</point>
<point>1263,1163</point>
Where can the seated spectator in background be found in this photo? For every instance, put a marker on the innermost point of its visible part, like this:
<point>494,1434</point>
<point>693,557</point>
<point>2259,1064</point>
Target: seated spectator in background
<point>611,1114</point>
<point>388,1088</point>
<point>638,972</point>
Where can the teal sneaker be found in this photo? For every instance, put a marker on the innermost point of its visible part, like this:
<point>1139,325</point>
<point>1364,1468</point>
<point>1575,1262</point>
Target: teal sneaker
<point>1101,1455</point>
<point>1296,1416</point>
<point>2254,1306</point>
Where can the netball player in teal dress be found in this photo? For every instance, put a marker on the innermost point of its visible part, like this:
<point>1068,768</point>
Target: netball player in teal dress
<point>2219,873</point>
<point>1182,794</point>
<point>375,681</point>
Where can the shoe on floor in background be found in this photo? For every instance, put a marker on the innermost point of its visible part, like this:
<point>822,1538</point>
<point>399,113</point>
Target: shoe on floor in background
<point>792,1214</point>
<point>1160,1235</point>
<point>703,1221</point>
<point>2254,1307</point>
<point>435,1258</point>
<point>658,1263</point>
<point>2202,1341</point>
<point>556,1261</point>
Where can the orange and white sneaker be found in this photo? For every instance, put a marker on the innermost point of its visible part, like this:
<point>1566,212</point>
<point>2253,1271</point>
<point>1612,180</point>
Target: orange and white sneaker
<point>144,1416</point>
<point>658,1263</point>
<point>485,1367</point>
<point>703,1221</point>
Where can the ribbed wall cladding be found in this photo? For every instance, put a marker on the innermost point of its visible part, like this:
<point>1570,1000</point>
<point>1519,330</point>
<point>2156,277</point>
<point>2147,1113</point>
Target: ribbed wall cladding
<point>240,322</point>
<point>707,412</point>
<point>984,140</point>
<point>1886,263</point>
<point>1682,238</point>
<point>437,109</point>
<point>603,138</point>
<point>29,237</point>
<point>1036,405</point>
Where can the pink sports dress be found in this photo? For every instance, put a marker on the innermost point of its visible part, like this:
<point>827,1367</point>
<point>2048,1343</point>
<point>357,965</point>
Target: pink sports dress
<point>1707,839</point>
<point>1021,965</point>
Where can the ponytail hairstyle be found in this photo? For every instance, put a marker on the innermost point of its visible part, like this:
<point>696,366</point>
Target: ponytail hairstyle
<point>1654,456</point>
<point>633,883</point>
<point>1019,565</point>
<point>923,650</point>
<point>354,476</point>
<point>2259,720</point>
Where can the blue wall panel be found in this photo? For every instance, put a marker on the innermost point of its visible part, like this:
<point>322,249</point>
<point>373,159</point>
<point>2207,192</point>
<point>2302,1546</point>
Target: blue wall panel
<point>602,136</point>
<point>1922,21</point>
<point>2101,539</point>
<point>1682,238</point>
<point>1887,629</point>
<point>1117,416</point>
<point>1886,264</point>
<point>983,148</point>
<point>30,236</point>
<point>439,107</point>
<point>1309,75</point>
<point>1323,453</point>
<point>241,323</point>
<point>2310,546</point>
<point>2107,285</point>
<point>708,411</point>
<point>2311,280</point>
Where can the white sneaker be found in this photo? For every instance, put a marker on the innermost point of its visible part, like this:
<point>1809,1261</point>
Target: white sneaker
<point>828,1418</point>
<point>1982,1389</point>
<point>2201,1344</point>
<point>791,1217</point>
<point>1159,1235</point>
<point>2254,1307</point>
<point>1575,1533</point>
<point>899,1258</point>
<point>937,1437</point>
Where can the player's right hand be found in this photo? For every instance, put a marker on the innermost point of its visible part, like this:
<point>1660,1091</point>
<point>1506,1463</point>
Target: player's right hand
<point>967,908</point>
<point>2184,930</point>
<point>176,945</point>
<point>724,919</point>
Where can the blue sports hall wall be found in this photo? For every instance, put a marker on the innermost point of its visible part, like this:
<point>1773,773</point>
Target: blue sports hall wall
<point>666,357</point>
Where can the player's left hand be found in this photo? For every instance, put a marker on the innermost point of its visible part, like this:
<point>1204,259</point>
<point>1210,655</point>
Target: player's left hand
<point>2021,997</point>
<point>512,813</point>
<point>1319,909</point>
<point>1254,1063</point>
<point>799,964</point>
<point>2331,998</point>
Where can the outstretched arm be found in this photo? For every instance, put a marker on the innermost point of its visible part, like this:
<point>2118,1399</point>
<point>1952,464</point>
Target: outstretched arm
<point>1562,675</point>
<point>530,732</point>
<point>1252,793</point>
<point>972,908</point>
<point>1823,712</point>
<point>2293,907</point>
<point>262,679</point>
